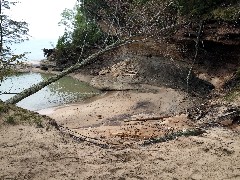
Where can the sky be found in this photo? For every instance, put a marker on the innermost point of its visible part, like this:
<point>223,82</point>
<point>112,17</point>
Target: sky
<point>43,17</point>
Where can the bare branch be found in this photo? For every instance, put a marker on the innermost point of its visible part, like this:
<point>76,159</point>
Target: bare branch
<point>196,53</point>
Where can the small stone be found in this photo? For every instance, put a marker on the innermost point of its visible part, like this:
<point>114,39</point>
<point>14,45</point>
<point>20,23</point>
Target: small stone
<point>99,116</point>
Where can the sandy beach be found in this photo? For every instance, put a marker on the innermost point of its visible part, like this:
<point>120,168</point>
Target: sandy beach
<point>117,119</point>
<point>118,106</point>
<point>125,90</point>
<point>123,121</point>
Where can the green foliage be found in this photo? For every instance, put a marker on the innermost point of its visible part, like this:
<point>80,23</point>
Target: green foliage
<point>3,108</point>
<point>233,95</point>
<point>86,31</point>
<point>230,13</point>
<point>7,65</point>
<point>91,8</point>
<point>191,8</point>
<point>38,122</point>
<point>200,8</point>
<point>140,1</point>
<point>81,35</point>
<point>12,115</point>
<point>11,32</point>
<point>234,92</point>
<point>10,120</point>
<point>63,42</point>
<point>67,17</point>
<point>174,135</point>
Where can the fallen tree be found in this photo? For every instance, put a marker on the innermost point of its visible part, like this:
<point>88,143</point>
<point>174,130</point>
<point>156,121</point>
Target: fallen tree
<point>37,87</point>
<point>131,27</point>
<point>125,34</point>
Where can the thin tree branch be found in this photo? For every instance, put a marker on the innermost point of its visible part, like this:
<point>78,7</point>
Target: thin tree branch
<point>196,53</point>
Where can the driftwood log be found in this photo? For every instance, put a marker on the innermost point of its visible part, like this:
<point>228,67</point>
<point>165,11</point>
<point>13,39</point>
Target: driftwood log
<point>147,118</point>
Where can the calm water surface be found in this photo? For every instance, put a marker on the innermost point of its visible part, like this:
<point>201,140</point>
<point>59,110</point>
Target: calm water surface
<point>65,90</point>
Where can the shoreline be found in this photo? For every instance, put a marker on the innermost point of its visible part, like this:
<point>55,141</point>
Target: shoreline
<point>79,77</point>
<point>51,110</point>
<point>34,67</point>
<point>120,105</point>
<point>146,99</point>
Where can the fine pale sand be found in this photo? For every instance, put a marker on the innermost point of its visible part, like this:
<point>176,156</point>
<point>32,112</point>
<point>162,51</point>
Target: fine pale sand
<point>28,152</point>
<point>122,105</point>
<point>112,114</point>
<point>123,120</point>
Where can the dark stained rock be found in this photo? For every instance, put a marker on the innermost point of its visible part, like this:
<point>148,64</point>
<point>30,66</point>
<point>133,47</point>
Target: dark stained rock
<point>156,71</point>
<point>44,68</point>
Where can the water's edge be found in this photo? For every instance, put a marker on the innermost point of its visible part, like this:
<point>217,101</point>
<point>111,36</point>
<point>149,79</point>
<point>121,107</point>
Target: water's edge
<point>64,91</point>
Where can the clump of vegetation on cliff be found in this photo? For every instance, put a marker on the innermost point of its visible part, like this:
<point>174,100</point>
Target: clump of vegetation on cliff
<point>82,36</point>
<point>230,13</point>
<point>95,23</point>
<point>204,9</point>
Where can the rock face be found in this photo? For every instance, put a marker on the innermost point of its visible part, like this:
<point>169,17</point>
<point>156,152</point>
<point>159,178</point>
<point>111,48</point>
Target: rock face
<point>168,62</point>
<point>226,33</point>
<point>218,55</point>
<point>46,64</point>
<point>132,71</point>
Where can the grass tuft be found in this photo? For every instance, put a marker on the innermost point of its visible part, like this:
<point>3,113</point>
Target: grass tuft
<point>10,120</point>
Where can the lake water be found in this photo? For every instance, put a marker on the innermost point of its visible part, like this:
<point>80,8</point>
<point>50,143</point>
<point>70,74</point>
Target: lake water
<point>65,90</point>
<point>33,48</point>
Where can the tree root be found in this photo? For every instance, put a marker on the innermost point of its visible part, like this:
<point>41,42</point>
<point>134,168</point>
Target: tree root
<point>147,119</point>
<point>174,135</point>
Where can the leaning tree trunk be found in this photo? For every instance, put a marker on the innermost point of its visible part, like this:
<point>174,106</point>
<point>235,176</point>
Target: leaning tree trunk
<point>37,87</point>
<point>1,29</point>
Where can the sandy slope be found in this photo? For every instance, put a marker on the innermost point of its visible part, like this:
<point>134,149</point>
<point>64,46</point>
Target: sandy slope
<point>27,152</point>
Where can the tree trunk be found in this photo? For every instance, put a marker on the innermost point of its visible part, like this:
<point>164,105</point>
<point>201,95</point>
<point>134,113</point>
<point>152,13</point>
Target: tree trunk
<point>37,87</point>
<point>1,32</point>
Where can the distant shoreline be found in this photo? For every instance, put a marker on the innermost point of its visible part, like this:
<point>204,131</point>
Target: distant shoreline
<point>34,67</point>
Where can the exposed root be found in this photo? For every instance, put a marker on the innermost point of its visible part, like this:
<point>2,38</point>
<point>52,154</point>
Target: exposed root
<point>174,135</point>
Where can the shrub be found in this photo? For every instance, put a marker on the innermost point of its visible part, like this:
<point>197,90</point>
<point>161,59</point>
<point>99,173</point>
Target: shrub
<point>199,8</point>
<point>10,120</point>
<point>230,13</point>
<point>3,108</point>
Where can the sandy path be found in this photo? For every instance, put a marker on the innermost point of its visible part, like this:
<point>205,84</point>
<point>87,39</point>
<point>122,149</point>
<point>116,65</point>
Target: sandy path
<point>108,116</point>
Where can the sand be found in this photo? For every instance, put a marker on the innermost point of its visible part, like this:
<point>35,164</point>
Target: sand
<point>117,119</point>
<point>27,152</point>
<point>122,105</point>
